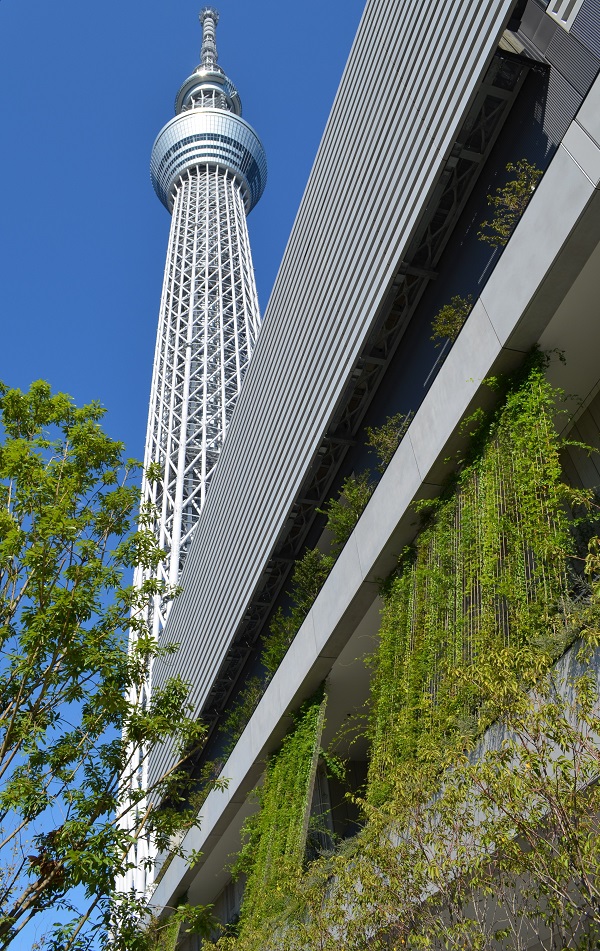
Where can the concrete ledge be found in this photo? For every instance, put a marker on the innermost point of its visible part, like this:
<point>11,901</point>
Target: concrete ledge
<point>531,260</point>
<point>584,152</point>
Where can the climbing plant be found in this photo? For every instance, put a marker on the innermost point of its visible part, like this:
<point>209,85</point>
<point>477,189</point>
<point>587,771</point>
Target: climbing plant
<point>385,439</point>
<point>163,935</point>
<point>465,845</point>
<point>344,512</point>
<point>487,574</point>
<point>492,846</point>
<point>308,578</point>
<point>470,843</point>
<point>501,851</point>
<point>275,836</point>
<point>163,932</point>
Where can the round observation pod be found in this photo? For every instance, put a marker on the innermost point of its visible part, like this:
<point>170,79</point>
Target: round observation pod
<point>208,129</point>
<point>205,136</point>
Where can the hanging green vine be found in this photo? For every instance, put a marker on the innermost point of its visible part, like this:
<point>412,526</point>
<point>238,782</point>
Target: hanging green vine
<point>460,850</point>
<point>275,836</point>
<point>501,849</point>
<point>487,574</point>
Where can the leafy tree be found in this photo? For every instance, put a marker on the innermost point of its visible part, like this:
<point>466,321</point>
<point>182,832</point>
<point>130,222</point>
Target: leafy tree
<point>385,439</point>
<point>448,321</point>
<point>71,731</point>
<point>510,202</point>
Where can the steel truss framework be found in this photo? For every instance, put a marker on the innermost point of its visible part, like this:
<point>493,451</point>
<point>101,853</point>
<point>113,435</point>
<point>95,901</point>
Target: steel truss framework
<point>208,324</point>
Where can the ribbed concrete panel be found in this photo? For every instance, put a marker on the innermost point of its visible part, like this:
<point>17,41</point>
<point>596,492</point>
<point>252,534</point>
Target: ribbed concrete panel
<point>411,77</point>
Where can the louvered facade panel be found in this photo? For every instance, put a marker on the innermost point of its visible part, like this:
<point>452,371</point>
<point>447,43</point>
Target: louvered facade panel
<point>575,61</point>
<point>586,26</point>
<point>411,76</point>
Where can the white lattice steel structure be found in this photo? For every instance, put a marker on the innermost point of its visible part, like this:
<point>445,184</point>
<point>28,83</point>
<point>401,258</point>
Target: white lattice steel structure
<point>208,167</point>
<point>208,325</point>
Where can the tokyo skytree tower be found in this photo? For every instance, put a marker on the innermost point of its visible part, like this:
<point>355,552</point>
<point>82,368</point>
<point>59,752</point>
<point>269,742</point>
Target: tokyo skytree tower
<point>209,169</point>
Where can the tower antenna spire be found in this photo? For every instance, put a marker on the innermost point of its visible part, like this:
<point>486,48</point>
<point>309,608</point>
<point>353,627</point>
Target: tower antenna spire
<point>208,18</point>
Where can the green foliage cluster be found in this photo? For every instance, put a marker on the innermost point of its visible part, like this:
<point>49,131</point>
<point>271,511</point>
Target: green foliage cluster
<point>487,574</point>
<point>72,724</point>
<point>448,322</point>
<point>275,836</point>
<point>502,853</point>
<point>464,845</point>
<point>161,930</point>
<point>508,203</point>
<point>233,725</point>
<point>385,439</point>
<point>309,575</point>
<point>163,936</point>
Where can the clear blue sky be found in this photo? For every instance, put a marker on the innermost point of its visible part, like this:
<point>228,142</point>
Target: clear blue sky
<point>84,89</point>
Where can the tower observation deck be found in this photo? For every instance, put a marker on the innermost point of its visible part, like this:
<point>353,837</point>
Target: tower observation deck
<point>208,168</point>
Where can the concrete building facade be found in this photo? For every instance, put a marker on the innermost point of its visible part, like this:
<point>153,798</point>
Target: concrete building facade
<point>432,106</point>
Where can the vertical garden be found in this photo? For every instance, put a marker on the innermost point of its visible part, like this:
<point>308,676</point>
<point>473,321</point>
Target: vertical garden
<point>487,577</point>
<point>459,849</point>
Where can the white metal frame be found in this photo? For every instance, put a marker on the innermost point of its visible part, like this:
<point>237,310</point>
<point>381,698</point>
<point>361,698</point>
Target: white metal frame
<point>208,323</point>
<point>564,11</point>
